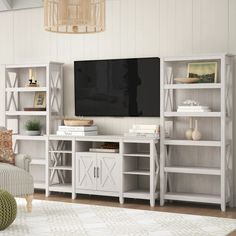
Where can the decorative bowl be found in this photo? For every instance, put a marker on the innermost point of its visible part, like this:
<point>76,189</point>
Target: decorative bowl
<point>187,80</point>
<point>78,122</point>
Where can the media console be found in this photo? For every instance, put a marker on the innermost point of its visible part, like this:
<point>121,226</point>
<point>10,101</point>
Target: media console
<point>132,172</point>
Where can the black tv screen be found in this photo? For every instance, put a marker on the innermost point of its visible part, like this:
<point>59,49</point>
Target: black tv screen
<point>117,87</point>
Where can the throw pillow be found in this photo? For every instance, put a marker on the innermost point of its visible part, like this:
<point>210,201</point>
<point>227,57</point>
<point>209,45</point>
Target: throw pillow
<point>6,152</point>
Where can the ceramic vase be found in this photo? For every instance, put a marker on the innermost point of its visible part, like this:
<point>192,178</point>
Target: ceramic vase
<point>196,135</point>
<point>189,131</point>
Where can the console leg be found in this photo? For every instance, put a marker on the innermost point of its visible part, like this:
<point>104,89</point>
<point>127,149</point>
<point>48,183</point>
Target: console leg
<point>73,196</point>
<point>121,200</point>
<point>152,202</point>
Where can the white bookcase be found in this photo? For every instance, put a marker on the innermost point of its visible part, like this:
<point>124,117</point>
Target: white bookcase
<point>197,171</point>
<point>140,169</point>
<point>18,96</point>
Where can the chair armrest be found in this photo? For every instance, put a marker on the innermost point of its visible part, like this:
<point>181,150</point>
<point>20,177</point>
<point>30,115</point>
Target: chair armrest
<point>23,161</point>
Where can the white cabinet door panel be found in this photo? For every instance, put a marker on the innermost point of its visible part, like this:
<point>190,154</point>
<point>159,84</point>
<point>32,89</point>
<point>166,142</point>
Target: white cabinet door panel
<point>108,172</point>
<point>85,171</point>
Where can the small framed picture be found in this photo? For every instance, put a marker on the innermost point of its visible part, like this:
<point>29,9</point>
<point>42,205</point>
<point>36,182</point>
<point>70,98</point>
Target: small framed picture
<point>205,71</point>
<point>40,100</point>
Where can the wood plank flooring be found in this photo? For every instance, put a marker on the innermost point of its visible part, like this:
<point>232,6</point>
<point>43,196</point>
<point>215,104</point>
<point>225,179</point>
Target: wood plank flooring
<point>174,207</point>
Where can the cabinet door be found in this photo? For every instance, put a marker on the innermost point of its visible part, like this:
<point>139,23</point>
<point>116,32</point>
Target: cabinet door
<point>108,172</point>
<point>85,171</point>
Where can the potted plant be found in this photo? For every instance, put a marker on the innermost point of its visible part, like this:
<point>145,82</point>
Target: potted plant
<point>33,127</point>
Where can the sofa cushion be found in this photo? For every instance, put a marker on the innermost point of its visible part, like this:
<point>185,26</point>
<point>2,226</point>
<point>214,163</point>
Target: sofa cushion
<point>6,152</point>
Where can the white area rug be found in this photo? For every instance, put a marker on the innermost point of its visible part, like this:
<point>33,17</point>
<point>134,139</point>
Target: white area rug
<point>57,219</point>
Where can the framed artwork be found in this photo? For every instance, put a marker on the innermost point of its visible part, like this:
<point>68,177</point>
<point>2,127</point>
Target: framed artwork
<point>40,100</point>
<point>205,71</point>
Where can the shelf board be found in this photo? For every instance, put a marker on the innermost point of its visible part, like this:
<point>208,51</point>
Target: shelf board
<point>137,172</point>
<point>61,151</point>
<point>192,197</point>
<point>192,143</point>
<point>192,114</point>
<point>136,155</point>
<point>38,161</point>
<point>27,89</point>
<point>28,137</point>
<point>26,113</point>
<point>193,86</point>
<point>39,185</point>
<point>67,188</point>
<point>61,168</point>
<point>26,66</point>
<point>138,194</point>
<point>193,170</point>
<point>195,58</point>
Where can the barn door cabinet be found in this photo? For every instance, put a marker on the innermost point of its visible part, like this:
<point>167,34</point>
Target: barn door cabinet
<point>97,172</point>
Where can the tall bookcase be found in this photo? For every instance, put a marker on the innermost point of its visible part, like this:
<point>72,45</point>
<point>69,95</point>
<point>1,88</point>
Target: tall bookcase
<point>197,171</point>
<point>19,96</point>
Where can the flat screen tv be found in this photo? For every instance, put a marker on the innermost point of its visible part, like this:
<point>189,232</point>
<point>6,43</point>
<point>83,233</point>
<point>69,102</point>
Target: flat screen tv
<point>117,87</point>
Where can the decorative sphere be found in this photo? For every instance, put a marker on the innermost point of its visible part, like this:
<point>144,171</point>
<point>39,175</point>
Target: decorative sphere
<point>8,209</point>
<point>188,133</point>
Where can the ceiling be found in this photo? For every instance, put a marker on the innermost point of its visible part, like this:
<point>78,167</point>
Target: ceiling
<point>8,5</point>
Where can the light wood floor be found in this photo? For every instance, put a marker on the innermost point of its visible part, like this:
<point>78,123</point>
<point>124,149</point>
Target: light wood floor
<point>176,207</point>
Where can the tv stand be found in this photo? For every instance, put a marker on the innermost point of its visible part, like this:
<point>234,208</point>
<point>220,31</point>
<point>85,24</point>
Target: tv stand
<point>132,172</point>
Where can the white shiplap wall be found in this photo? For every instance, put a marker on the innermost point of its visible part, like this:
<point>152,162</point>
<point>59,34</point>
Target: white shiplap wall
<point>134,28</point>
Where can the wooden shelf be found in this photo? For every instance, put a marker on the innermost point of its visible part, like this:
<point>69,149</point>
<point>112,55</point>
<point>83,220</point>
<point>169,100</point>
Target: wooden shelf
<point>137,172</point>
<point>192,143</point>
<point>61,151</point>
<point>193,170</point>
<point>192,197</point>
<point>195,58</point>
<point>193,86</point>
<point>27,89</point>
<point>61,168</point>
<point>138,194</point>
<point>26,113</point>
<point>192,114</point>
<point>67,188</point>
<point>28,137</point>
<point>136,155</point>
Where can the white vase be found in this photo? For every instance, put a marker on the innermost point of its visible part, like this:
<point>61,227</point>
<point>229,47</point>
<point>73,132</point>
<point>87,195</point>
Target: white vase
<point>33,132</point>
<point>189,131</point>
<point>196,135</point>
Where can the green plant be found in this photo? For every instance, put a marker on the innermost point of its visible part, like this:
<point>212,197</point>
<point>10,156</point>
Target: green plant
<point>32,125</point>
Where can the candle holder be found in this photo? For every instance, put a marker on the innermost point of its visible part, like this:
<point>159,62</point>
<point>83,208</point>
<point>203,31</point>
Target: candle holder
<point>32,79</point>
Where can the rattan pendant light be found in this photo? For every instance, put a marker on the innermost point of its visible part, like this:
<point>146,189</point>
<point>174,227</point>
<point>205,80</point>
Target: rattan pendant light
<point>74,16</point>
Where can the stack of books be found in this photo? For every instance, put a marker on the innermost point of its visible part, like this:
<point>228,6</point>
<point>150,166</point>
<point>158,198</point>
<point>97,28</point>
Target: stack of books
<point>77,130</point>
<point>193,109</point>
<point>149,131</point>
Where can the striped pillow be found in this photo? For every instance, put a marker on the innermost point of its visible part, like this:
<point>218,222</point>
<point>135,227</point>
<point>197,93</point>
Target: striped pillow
<point>6,152</point>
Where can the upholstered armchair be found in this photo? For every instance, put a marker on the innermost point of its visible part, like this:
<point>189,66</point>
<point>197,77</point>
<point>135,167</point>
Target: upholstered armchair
<point>16,179</point>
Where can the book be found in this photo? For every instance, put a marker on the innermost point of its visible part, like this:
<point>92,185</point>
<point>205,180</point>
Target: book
<point>34,108</point>
<point>146,131</point>
<point>196,110</point>
<point>145,127</point>
<point>77,133</point>
<point>193,107</point>
<point>156,136</point>
<point>77,128</point>
<point>108,150</point>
